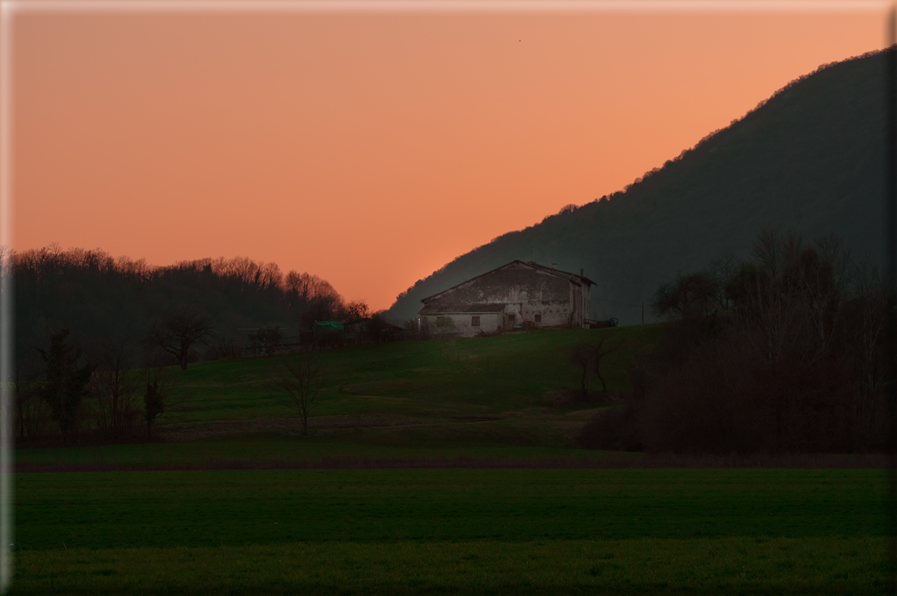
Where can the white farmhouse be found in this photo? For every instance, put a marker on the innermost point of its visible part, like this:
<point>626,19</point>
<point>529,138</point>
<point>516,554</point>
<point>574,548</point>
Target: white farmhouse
<point>516,295</point>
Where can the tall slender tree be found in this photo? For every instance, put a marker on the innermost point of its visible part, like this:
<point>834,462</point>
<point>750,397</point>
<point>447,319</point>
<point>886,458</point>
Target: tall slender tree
<point>65,380</point>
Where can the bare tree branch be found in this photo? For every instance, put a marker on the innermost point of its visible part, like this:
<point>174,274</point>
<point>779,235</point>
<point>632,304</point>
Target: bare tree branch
<point>299,375</point>
<point>178,332</point>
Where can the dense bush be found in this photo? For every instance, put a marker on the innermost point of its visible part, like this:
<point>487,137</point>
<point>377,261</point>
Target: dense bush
<point>795,364</point>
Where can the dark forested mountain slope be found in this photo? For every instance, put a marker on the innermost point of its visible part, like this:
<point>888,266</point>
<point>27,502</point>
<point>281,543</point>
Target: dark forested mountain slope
<point>810,159</point>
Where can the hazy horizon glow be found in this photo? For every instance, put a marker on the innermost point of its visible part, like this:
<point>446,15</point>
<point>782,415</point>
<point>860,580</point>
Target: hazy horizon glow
<point>370,149</point>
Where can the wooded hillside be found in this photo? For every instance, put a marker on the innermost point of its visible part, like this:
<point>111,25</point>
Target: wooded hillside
<point>101,299</point>
<point>809,159</point>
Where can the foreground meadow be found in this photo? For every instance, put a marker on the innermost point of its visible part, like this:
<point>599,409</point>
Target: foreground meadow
<point>432,531</point>
<point>384,496</point>
<point>507,397</point>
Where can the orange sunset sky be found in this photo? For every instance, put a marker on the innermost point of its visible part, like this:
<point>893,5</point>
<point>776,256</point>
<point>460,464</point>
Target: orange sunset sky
<point>370,148</point>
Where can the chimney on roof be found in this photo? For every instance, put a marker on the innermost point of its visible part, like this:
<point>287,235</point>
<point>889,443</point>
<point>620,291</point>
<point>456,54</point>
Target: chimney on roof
<point>554,265</point>
<point>581,273</point>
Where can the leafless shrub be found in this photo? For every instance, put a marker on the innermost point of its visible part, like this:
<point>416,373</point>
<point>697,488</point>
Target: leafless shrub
<point>32,414</point>
<point>160,395</point>
<point>224,345</point>
<point>588,357</point>
<point>115,387</point>
<point>299,376</point>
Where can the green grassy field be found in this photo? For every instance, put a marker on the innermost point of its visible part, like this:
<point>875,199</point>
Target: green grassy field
<point>435,378</point>
<point>271,447</point>
<point>434,531</point>
<point>640,566</point>
<point>430,379</point>
<point>483,397</point>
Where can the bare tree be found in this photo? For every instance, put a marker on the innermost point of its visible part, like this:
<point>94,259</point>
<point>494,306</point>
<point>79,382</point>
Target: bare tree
<point>866,320</point>
<point>177,333</point>
<point>224,346</point>
<point>357,310</point>
<point>689,297</point>
<point>600,352</point>
<point>582,356</point>
<point>588,357</point>
<point>158,397</point>
<point>66,380</point>
<point>723,273</point>
<point>115,387</point>
<point>28,406</point>
<point>299,375</point>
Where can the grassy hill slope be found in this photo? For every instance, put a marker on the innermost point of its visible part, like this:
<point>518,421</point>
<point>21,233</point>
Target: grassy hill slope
<point>499,397</point>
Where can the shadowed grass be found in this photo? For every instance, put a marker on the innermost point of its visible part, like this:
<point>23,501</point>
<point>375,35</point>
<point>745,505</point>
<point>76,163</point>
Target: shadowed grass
<point>480,397</point>
<point>435,378</point>
<point>269,449</point>
<point>412,531</point>
<point>736,565</point>
<point>100,510</point>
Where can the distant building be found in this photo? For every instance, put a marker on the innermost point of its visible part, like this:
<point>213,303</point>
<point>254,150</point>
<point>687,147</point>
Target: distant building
<point>517,295</point>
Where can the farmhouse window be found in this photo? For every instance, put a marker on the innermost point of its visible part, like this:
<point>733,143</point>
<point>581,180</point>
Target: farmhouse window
<point>475,321</point>
<point>538,317</point>
<point>440,321</point>
<point>512,317</point>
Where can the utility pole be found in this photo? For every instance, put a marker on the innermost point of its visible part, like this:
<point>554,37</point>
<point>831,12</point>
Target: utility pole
<point>643,312</point>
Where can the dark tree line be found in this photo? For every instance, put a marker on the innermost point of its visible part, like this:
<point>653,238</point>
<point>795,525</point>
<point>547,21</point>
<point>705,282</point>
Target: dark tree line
<point>96,336</point>
<point>783,352</point>
<point>98,297</point>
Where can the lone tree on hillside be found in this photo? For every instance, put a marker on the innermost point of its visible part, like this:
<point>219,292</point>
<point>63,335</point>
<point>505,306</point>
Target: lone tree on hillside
<point>176,333</point>
<point>65,380</point>
<point>299,375</point>
<point>689,297</point>
<point>588,357</point>
<point>157,397</point>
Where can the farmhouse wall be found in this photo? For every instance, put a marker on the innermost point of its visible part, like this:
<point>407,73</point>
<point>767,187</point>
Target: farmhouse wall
<point>462,323</point>
<point>529,295</point>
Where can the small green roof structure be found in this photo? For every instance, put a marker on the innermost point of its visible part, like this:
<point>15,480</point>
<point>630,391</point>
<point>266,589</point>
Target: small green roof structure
<point>328,326</point>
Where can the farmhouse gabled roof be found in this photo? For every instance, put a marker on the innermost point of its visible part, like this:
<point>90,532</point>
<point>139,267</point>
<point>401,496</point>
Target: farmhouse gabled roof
<point>573,277</point>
